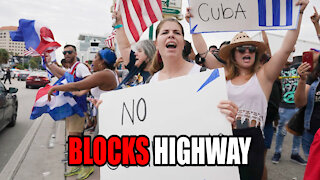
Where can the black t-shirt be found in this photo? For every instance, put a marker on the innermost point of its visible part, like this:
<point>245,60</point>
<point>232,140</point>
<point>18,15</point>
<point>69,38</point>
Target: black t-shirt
<point>315,117</point>
<point>289,84</point>
<point>8,73</point>
<point>273,104</point>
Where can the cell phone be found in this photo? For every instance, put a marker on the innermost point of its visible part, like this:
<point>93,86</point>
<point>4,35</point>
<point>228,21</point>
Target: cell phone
<point>308,57</point>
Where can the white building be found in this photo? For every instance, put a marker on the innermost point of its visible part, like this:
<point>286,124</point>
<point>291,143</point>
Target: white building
<point>17,48</point>
<point>88,45</point>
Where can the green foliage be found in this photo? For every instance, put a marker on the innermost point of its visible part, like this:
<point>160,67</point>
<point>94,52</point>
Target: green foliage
<point>36,59</point>
<point>4,56</point>
<point>33,64</point>
<point>19,66</point>
<point>26,65</point>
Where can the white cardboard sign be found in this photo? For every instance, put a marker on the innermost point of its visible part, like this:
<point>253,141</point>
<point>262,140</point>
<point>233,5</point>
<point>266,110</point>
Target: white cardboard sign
<point>180,106</point>
<point>242,15</point>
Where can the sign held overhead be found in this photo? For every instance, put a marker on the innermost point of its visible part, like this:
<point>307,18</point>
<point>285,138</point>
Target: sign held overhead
<point>242,15</point>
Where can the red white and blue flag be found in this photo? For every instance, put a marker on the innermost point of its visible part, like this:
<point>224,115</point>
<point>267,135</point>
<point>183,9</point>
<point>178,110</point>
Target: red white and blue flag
<point>62,105</point>
<point>37,37</point>
<point>281,12</point>
<point>138,15</point>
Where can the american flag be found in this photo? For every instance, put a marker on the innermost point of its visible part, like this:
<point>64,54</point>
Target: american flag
<point>109,42</point>
<point>138,15</point>
<point>31,52</point>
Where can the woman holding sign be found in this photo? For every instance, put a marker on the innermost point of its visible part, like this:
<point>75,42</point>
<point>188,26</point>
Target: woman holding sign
<point>168,62</point>
<point>249,85</point>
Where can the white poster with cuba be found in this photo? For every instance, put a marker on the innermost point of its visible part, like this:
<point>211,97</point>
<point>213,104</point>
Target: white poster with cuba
<point>242,15</point>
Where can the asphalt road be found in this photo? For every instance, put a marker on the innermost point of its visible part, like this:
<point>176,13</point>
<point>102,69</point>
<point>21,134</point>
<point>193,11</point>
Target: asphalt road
<point>10,138</point>
<point>286,169</point>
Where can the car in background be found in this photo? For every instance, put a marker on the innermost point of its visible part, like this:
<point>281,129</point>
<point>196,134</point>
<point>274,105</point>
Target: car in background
<point>22,76</point>
<point>8,106</point>
<point>37,79</point>
<point>15,73</point>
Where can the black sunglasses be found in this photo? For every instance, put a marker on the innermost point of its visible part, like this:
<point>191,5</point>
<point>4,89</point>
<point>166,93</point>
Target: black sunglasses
<point>243,49</point>
<point>65,52</point>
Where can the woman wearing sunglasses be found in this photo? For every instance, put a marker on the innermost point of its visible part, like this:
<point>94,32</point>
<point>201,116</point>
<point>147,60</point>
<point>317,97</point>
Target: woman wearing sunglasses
<point>249,85</point>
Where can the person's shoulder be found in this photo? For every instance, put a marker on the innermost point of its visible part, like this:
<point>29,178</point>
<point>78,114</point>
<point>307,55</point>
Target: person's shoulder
<point>153,78</point>
<point>81,65</point>
<point>82,70</point>
<point>107,72</point>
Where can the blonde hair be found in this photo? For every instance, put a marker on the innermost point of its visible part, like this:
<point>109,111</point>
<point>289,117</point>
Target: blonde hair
<point>232,68</point>
<point>157,63</point>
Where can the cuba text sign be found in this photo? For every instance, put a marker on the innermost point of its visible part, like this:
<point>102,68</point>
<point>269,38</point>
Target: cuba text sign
<point>242,15</point>
<point>183,125</point>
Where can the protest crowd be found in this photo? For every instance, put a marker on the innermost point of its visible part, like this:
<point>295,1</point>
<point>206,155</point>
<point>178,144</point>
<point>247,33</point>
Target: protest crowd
<point>258,82</point>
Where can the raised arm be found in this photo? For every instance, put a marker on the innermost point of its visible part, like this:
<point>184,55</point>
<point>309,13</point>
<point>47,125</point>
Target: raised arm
<point>55,70</point>
<point>315,20</point>
<point>301,93</point>
<point>272,68</point>
<point>201,47</point>
<point>80,93</point>
<point>266,42</point>
<point>122,40</point>
<point>103,79</point>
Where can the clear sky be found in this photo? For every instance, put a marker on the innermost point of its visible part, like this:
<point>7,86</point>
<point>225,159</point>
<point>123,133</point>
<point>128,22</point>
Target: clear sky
<point>68,18</point>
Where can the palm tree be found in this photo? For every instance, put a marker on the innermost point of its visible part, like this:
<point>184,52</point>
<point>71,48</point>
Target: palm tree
<point>4,56</point>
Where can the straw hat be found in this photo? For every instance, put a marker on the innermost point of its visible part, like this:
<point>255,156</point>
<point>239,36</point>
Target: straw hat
<point>241,39</point>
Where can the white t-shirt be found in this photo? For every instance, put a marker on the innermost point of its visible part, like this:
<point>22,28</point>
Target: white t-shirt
<point>96,91</point>
<point>195,69</point>
<point>82,70</point>
<point>251,100</point>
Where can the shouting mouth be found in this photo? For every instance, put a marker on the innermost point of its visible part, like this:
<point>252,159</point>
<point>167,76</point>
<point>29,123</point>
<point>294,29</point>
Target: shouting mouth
<point>171,45</point>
